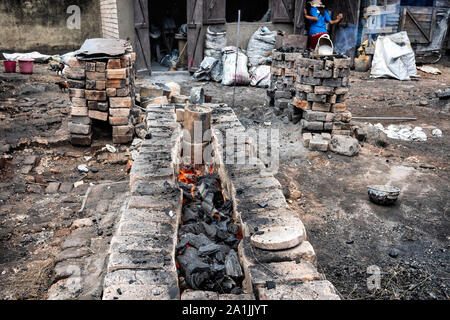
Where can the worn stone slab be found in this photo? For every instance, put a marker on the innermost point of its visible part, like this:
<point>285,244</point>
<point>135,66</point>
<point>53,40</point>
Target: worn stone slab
<point>245,296</point>
<point>144,228</point>
<point>162,202</point>
<point>52,188</point>
<point>136,260</point>
<point>199,295</point>
<point>135,243</point>
<point>140,292</point>
<point>143,215</point>
<point>283,272</point>
<point>314,290</point>
<point>72,253</point>
<point>141,277</point>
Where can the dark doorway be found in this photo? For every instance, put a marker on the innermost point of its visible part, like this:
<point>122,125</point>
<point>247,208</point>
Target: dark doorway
<point>251,10</point>
<point>417,3</point>
<point>165,20</point>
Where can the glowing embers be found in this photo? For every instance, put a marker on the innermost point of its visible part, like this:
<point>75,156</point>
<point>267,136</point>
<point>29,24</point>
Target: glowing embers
<point>208,237</point>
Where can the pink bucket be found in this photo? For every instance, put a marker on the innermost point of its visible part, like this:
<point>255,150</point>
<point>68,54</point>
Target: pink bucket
<point>26,65</point>
<point>10,66</point>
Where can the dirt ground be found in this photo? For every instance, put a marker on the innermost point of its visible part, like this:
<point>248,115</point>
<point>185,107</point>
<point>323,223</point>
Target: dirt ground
<point>408,242</point>
<point>35,142</point>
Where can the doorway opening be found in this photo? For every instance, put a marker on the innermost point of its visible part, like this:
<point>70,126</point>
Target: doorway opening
<point>166,19</point>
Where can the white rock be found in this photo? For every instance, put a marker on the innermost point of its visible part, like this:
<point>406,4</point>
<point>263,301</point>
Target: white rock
<point>277,238</point>
<point>83,168</point>
<point>436,133</point>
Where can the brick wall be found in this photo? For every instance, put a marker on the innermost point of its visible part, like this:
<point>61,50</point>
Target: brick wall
<point>110,20</point>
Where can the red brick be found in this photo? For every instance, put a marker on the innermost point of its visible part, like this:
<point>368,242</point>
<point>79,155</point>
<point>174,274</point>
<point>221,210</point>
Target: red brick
<point>111,92</point>
<point>76,93</point>
<point>92,105</point>
<point>100,85</point>
<point>301,104</point>
<point>116,74</point>
<point>116,83</point>
<point>114,64</point>
<point>100,66</point>
<point>78,102</point>
<point>320,106</point>
<point>79,111</point>
<point>338,107</point>
<point>122,130</point>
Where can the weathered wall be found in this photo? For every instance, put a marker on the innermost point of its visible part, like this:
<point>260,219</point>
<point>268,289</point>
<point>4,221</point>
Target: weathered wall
<point>41,25</point>
<point>118,19</point>
<point>248,29</point>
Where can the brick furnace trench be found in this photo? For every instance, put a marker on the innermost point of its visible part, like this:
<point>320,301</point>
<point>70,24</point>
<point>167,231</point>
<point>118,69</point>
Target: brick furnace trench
<point>142,256</point>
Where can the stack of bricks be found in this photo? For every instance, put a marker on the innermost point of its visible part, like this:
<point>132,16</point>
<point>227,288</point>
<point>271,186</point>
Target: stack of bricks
<point>321,90</point>
<point>101,90</point>
<point>282,79</point>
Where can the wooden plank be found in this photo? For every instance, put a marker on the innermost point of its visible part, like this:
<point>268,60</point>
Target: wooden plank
<point>379,30</point>
<point>411,16</point>
<point>143,51</point>
<point>214,11</point>
<point>380,10</point>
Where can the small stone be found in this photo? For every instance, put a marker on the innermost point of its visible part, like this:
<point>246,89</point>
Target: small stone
<point>83,168</point>
<point>94,170</point>
<point>270,285</point>
<point>349,242</point>
<point>263,204</point>
<point>99,233</point>
<point>119,292</point>
<point>148,136</point>
<point>393,253</point>
<point>156,292</point>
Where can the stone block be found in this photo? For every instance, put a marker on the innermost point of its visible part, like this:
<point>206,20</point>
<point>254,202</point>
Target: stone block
<point>316,97</point>
<point>76,73</point>
<point>338,107</point>
<point>314,290</point>
<point>76,84</point>
<point>307,136</point>
<point>321,106</point>
<point>116,83</point>
<point>111,92</point>
<point>83,129</point>
<point>76,93</point>
<point>123,130</point>
<point>120,102</point>
<point>118,121</point>
<point>80,120</point>
<point>318,144</point>
<point>100,85</point>
<point>123,139</point>
<point>95,75</point>
<point>119,112</point>
<point>78,102</point>
<point>98,115</point>
<point>100,67</point>
<point>324,90</point>
<point>123,92</point>
<point>96,95</point>
<point>301,104</point>
<point>102,106</point>
<point>92,105</point>
<point>332,82</point>
<point>81,140</point>
<point>79,111</point>
<point>52,188</point>
<point>90,66</point>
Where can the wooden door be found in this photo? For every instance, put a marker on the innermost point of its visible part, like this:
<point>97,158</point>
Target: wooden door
<point>282,11</point>
<point>196,39</point>
<point>299,18</point>
<point>214,11</point>
<point>141,29</point>
<point>419,22</point>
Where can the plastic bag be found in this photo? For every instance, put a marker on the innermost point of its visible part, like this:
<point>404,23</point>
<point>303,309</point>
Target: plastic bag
<point>394,57</point>
<point>209,70</point>
<point>261,43</point>
<point>231,75</point>
<point>260,76</point>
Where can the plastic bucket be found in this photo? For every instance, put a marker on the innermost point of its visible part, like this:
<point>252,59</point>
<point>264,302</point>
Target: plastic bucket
<point>26,66</point>
<point>10,66</point>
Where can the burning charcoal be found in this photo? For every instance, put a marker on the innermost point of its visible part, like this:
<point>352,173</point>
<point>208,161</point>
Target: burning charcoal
<point>190,213</point>
<point>232,265</point>
<point>228,284</point>
<point>233,229</point>
<point>220,257</point>
<point>232,241</point>
<point>218,267</point>
<point>203,190</point>
<point>194,228</point>
<point>209,230</point>
<point>212,248</point>
<point>196,241</point>
<point>222,235</point>
<point>208,207</point>
<point>195,270</point>
<point>227,206</point>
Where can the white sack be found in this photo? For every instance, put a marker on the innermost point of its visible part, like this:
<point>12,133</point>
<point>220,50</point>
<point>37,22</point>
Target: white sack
<point>260,76</point>
<point>38,57</point>
<point>261,43</point>
<point>230,74</point>
<point>394,57</point>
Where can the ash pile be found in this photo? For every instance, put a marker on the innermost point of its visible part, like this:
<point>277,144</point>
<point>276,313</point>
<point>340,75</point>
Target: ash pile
<point>208,237</point>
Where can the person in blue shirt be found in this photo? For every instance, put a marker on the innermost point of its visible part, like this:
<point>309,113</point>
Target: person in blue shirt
<point>318,18</point>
